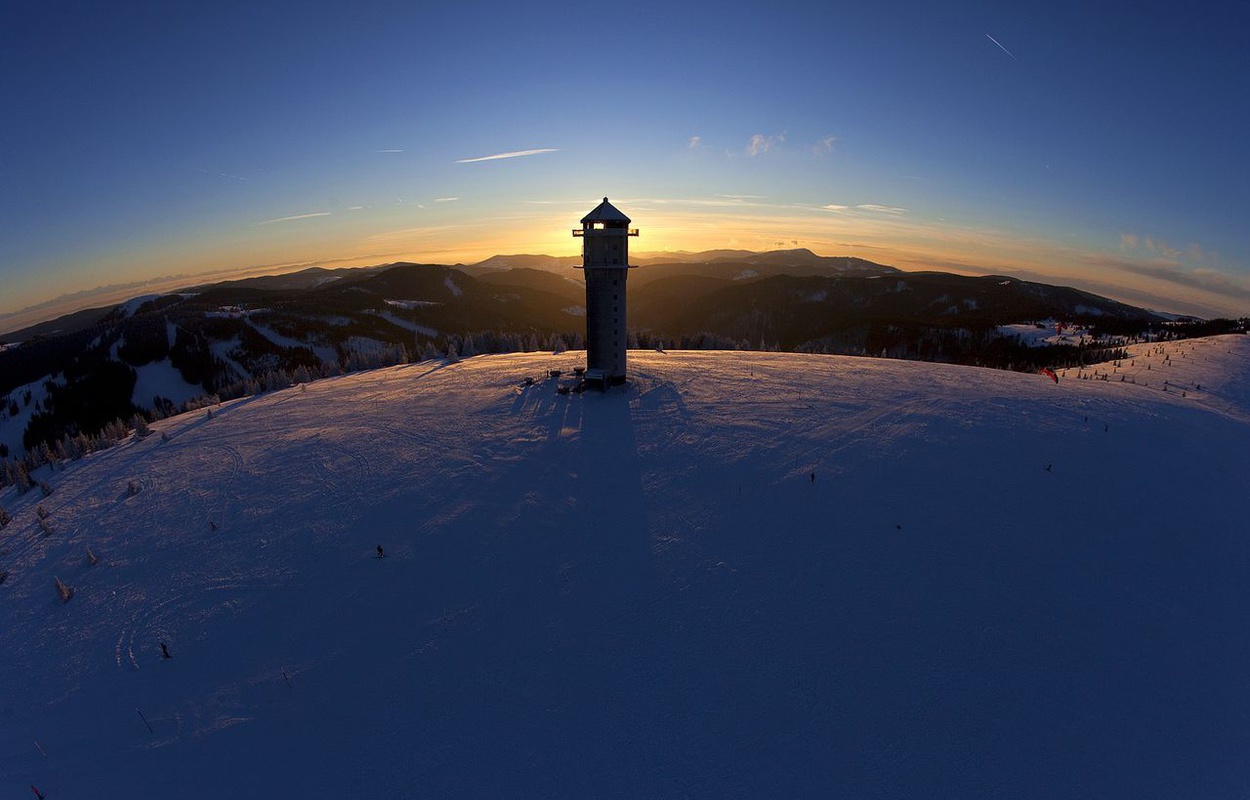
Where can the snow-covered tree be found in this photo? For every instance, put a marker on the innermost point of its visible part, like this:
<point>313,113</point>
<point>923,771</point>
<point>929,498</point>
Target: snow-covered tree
<point>140,425</point>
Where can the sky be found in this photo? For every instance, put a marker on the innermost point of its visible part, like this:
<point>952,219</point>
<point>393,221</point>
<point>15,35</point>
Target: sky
<point>1099,145</point>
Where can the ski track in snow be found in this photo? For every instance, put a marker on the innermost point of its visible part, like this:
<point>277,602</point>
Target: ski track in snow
<point>993,586</point>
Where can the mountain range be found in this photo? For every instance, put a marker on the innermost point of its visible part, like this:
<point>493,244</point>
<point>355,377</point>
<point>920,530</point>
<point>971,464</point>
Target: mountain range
<point>154,353</point>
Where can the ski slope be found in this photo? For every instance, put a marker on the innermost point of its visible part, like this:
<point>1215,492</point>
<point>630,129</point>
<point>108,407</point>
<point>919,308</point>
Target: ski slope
<point>740,575</point>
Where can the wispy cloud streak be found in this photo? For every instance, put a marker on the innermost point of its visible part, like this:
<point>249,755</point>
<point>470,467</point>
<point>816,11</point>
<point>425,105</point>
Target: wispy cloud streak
<point>761,144</point>
<point>294,217</point>
<point>222,174</point>
<point>1000,47</point>
<point>513,154</point>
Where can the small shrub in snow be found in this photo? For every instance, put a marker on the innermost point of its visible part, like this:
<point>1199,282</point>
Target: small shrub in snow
<point>45,488</point>
<point>46,527</point>
<point>132,488</point>
<point>41,511</point>
<point>5,519</point>
<point>92,558</point>
<point>66,592</point>
<point>22,479</point>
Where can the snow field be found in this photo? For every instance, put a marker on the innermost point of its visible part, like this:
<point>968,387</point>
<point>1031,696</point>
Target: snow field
<point>643,593</point>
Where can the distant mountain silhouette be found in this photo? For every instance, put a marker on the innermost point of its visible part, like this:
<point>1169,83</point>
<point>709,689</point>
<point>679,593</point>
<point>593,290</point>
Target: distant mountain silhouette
<point>233,337</point>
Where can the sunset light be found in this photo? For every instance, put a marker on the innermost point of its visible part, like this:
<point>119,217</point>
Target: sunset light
<point>973,139</point>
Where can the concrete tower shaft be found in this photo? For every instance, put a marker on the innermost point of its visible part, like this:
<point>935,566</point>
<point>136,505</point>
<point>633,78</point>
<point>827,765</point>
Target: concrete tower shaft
<point>605,236</point>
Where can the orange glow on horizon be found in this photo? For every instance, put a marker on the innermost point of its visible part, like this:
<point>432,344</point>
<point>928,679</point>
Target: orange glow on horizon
<point>899,240</point>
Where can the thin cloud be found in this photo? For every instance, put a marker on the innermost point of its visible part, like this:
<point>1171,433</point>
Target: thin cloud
<point>294,217</point>
<point>694,143</point>
<point>446,199</point>
<point>388,151</point>
<point>1000,47</point>
<point>1206,280</point>
<point>835,208</point>
<point>761,144</point>
<point>880,209</point>
<point>513,154</point>
<point>744,196</point>
<point>1161,247</point>
<point>222,174</point>
<point>825,146</point>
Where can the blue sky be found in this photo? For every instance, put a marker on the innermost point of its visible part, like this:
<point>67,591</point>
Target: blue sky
<point>1098,145</point>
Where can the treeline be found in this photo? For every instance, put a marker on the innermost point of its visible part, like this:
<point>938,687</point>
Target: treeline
<point>981,346</point>
<point>91,409</point>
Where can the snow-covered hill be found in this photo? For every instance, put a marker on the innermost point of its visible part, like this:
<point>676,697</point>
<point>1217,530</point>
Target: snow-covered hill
<point>741,575</point>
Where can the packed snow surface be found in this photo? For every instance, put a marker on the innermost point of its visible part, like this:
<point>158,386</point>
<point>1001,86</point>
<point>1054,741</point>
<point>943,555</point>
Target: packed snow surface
<point>739,575</point>
<point>162,378</point>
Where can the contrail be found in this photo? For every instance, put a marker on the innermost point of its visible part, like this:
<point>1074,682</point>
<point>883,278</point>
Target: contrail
<point>513,154</point>
<point>1000,47</point>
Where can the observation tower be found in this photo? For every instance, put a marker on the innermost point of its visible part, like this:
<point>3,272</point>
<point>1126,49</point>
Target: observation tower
<point>605,236</point>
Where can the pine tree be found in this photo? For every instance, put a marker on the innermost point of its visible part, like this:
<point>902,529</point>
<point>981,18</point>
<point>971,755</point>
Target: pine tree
<point>22,478</point>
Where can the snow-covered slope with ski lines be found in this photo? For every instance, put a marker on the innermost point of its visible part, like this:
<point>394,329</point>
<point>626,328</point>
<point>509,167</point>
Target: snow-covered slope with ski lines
<point>740,575</point>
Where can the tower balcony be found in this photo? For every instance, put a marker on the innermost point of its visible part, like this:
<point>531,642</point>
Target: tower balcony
<point>606,231</point>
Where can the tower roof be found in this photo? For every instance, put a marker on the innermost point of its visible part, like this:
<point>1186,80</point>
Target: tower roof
<point>605,212</point>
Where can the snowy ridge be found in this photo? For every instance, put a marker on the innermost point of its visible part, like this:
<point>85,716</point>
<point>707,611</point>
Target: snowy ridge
<point>740,575</point>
